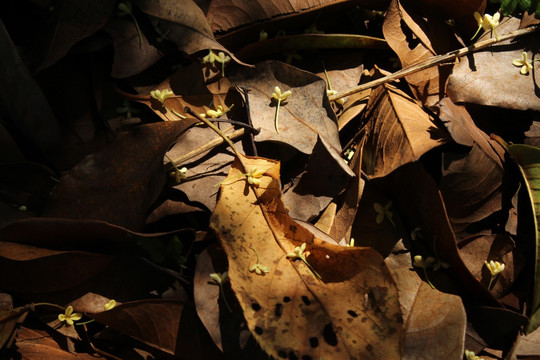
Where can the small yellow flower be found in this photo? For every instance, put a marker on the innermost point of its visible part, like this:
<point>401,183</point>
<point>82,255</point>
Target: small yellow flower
<point>161,95</point>
<point>340,101</point>
<point>179,174</point>
<point>222,58</point>
<point>351,243</point>
<point>69,316</point>
<point>525,64</point>
<point>259,269</point>
<point>279,96</point>
<point>471,356</point>
<point>424,264</point>
<point>384,212</point>
<point>487,22</point>
<point>253,177</point>
<point>210,58</point>
<point>111,304</point>
<point>220,278</point>
<point>263,35</point>
<point>298,253</point>
<point>218,112</point>
<point>495,268</point>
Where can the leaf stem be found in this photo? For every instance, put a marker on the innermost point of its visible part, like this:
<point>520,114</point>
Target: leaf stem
<point>433,61</point>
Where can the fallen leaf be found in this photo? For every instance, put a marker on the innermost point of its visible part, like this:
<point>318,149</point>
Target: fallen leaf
<point>435,327</point>
<point>154,322</point>
<point>415,39</point>
<point>24,105</point>
<point>526,346</point>
<point>489,78</point>
<point>528,159</point>
<point>72,22</point>
<point>398,131</point>
<point>185,25</point>
<point>131,167</point>
<point>10,319</point>
<point>331,317</point>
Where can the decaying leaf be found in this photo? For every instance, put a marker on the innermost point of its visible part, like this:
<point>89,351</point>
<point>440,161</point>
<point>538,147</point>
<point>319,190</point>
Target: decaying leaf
<point>414,39</point>
<point>493,69</point>
<point>398,131</point>
<point>351,312</point>
<point>435,327</point>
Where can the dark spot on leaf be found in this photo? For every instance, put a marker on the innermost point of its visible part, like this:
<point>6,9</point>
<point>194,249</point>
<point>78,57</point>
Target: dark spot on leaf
<point>282,354</point>
<point>278,310</point>
<point>258,330</point>
<point>364,319</point>
<point>329,335</point>
<point>256,306</point>
<point>286,299</point>
<point>306,357</point>
<point>313,342</point>
<point>292,356</point>
<point>369,347</point>
<point>305,299</point>
<point>352,313</point>
<point>293,228</point>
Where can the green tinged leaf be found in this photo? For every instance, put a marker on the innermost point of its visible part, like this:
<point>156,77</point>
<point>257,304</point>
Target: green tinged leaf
<point>508,7</point>
<point>524,4</point>
<point>528,159</point>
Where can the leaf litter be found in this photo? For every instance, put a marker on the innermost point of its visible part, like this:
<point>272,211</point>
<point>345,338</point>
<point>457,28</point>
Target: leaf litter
<point>362,216</point>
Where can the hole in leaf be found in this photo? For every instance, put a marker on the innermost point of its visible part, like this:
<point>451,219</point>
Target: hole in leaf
<point>305,299</point>
<point>286,299</point>
<point>352,313</point>
<point>278,310</point>
<point>256,306</point>
<point>282,354</point>
<point>313,342</point>
<point>329,335</point>
<point>292,356</point>
<point>258,330</point>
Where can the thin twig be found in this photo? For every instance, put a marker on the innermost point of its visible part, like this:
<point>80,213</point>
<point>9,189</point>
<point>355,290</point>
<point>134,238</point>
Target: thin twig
<point>434,60</point>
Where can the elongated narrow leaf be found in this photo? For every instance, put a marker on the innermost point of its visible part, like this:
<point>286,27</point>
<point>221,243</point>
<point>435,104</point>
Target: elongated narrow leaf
<point>351,311</point>
<point>528,159</point>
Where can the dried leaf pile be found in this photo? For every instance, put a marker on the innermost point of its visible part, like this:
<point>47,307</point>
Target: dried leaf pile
<point>269,180</point>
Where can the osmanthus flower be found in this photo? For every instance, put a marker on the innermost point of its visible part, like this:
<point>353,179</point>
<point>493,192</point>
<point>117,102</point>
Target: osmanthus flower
<point>221,57</point>
<point>161,95</point>
<point>298,254</point>
<point>69,316</point>
<point>384,212</point>
<point>258,268</point>
<point>109,305</point>
<point>218,112</point>
<point>487,22</point>
<point>220,279</point>
<point>419,262</point>
<point>253,177</point>
<point>524,63</point>
<point>470,355</point>
<point>495,268</point>
<point>279,97</point>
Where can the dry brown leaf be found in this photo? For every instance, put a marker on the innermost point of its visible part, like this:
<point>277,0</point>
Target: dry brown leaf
<point>526,347</point>
<point>489,78</point>
<point>351,312</point>
<point>227,14</point>
<point>398,131</point>
<point>415,39</point>
<point>154,322</point>
<point>436,326</point>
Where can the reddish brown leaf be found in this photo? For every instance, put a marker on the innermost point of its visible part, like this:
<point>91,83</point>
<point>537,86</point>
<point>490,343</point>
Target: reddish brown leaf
<point>435,327</point>
<point>154,322</point>
<point>118,184</point>
<point>415,39</point>
<point>398,131</point>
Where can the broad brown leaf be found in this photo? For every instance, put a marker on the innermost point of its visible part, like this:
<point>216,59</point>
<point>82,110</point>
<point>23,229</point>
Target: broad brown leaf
<point>118,184</point>
<point>488,77</point>
<point>415,39</point>
<point>154,322</point>
<point>289,311</point>
<point>435,327</point>
<point>398,131</point>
